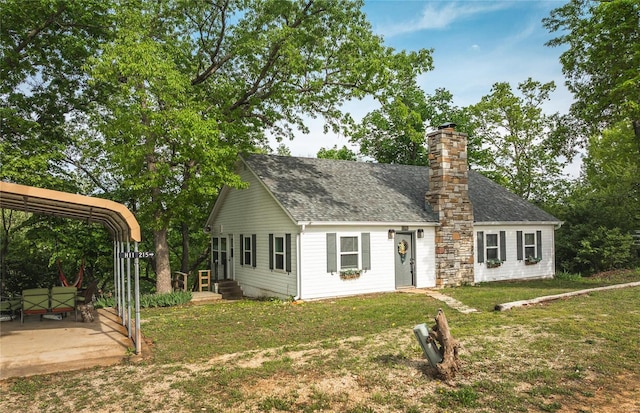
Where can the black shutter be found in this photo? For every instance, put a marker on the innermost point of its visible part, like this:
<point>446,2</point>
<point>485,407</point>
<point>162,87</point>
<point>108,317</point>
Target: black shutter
<point>287,243</point>
<point>332,257</point>
<point>480,251</point>
<point>539,244</point>
<point>519,252</point>
<point>270,251</point>
<point>365,240</point>
<point>254,253</point>
<point>241,249</point>
<point>503,246</point>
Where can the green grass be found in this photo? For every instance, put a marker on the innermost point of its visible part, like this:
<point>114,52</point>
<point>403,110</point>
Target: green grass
<point>359,354</point>
<point>257,325</point>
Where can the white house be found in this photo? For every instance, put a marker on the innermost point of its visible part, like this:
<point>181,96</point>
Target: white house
<point>314,228</point>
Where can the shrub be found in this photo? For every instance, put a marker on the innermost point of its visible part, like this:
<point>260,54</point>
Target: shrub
<point>605,249</point>
<point>151,300</point>
<point>165,300</point>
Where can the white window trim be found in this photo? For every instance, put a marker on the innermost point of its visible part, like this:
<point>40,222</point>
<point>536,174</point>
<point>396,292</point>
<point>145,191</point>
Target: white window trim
<point>525,245</point>
<point>340,253</point>
<point>283,253</point>
<point>487,247</point>
<point>246,251</point>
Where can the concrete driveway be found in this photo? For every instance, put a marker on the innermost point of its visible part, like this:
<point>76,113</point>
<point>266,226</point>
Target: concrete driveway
<point>49,346</point>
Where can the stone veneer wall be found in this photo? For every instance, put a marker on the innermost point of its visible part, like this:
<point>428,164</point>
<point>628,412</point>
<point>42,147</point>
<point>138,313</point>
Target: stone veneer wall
<point>449,197</point>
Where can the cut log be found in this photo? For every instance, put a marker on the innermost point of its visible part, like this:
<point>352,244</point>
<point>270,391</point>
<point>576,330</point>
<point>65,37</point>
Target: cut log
<point>546,298</point>
<point>449,347</point>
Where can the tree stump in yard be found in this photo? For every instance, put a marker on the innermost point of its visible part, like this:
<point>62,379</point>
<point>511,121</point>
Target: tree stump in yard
<point>448,347</point>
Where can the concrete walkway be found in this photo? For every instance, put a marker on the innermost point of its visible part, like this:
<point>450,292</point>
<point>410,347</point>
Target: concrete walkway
<point>48,346</point>
<point>451,302</point>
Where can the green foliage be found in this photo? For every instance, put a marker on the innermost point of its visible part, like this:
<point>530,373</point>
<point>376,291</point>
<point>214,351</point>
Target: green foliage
<point>343,153</point>
<point>524,154</point>
<point>563,275</point>
<point>105,302</point>
<point>165,300</point>
<point>43,48</point>
<point>605,249</point>
<point>396,133</point>
<point>150,300</point>
<point>602,59</point>
<point>608,196</point>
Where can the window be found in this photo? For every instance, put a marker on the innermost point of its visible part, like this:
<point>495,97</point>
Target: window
<point>248,250</point>
<point>491,247</point>
<point>280,252</point>
<point>348,253</point>
<point>530,245</point>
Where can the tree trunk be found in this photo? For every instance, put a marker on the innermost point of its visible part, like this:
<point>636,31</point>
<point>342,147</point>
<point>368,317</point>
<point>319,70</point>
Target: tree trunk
<point>163,267</point>
<point>184,263</point>
<point>449,347</point>
<point>547,298</point>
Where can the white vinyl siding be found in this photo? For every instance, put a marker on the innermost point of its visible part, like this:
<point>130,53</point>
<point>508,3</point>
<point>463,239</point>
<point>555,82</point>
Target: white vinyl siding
<point>253,211</point>
<point>513,268</point>
<point>319,282</point>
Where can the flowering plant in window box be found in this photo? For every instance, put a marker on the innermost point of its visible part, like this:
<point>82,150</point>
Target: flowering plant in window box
<point>493,263</point>
<point>532,260</point>
<point>349,274</point>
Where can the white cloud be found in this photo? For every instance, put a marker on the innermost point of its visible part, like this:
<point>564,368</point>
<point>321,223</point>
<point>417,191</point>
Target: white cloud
<point>440,16</point>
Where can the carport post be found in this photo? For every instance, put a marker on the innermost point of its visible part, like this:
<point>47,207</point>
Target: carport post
<point>123,297</point>
<point>136,277</point>
<point>129,292</point>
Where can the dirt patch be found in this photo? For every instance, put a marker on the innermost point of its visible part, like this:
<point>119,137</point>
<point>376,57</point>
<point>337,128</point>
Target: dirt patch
<point>626,399</point>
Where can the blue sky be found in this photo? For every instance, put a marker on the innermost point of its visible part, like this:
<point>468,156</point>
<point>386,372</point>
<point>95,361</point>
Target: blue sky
<point>476,44</point>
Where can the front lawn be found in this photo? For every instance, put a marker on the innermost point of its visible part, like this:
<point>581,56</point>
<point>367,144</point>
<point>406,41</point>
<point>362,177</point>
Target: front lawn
<point>359,354</point>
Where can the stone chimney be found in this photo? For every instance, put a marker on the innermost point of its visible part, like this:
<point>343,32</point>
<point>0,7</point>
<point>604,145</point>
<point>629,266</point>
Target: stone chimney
<point>448,195</point>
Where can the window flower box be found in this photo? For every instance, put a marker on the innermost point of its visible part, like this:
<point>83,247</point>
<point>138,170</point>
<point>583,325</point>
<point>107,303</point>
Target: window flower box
<point>493,263</point>
<point>349,274</point>
<point>532,260</point>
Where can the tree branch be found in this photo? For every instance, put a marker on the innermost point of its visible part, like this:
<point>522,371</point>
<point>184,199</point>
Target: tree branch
<point>8,61</point>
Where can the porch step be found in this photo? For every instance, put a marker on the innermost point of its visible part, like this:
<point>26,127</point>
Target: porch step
<point>230,290</point>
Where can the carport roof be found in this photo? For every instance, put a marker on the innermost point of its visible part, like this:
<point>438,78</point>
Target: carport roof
<point>114,216</point>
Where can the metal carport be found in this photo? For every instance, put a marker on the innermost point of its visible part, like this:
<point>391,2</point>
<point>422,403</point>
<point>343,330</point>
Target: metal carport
<point>118,220</point>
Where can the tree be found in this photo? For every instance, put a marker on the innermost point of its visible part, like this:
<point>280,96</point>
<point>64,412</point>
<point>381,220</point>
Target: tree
<point>43,47</point>
<point>611,170</point>
<point>524,151</point>
<point>605,199</point>
<point>283,150</point>
<point>193,83</point>
<point>343,153</point>
<point>602,60</point>
<point>396,133</point>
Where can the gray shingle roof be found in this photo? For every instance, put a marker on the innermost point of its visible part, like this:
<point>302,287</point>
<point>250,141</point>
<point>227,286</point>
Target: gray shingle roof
<point>341,191</point>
